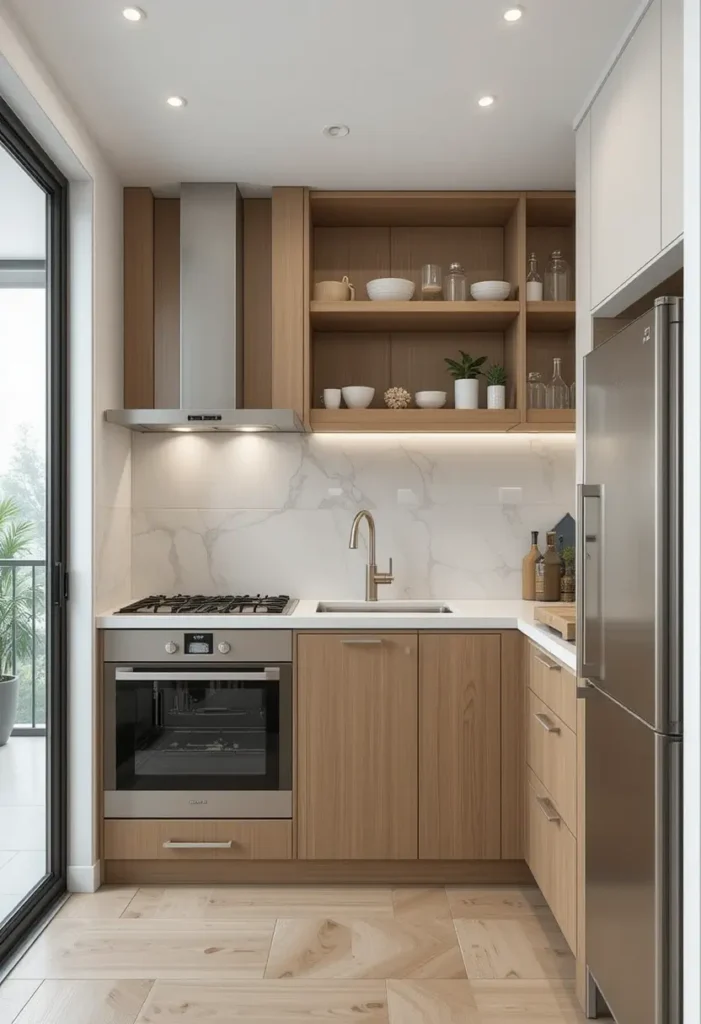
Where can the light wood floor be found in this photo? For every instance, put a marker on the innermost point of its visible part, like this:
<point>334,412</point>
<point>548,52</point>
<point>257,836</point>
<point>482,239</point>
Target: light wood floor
<point>272,955</point>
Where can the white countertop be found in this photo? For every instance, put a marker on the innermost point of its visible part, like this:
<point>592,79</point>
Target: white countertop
<point>465,615</point>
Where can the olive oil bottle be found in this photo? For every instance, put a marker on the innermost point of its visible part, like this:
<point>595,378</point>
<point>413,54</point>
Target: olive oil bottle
<point>548,573</point>
<point>529,569</point>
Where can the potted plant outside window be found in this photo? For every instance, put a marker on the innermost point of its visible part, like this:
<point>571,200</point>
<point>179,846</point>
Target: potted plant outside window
<point>466,374</point>
<point>15,611</point>
<point>496,387</point>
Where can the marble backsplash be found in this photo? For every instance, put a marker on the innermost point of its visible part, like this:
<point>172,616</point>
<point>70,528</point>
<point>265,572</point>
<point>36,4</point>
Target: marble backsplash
<point>218,514</point>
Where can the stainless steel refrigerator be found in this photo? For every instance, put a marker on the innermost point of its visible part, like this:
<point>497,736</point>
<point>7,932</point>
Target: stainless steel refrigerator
<point>629,653</point>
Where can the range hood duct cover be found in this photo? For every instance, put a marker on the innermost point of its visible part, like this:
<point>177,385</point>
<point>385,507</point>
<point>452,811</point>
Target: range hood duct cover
<point>211,350</point>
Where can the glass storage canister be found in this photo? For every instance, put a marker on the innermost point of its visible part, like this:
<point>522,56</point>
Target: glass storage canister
<point>557,393</point>
<point>557,278</point>
<point>455,284</point>
<point>431,282</point>
<point>536,391</point>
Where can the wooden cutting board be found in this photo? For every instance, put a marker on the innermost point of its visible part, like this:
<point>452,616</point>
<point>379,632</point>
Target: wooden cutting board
<point>560,616</point>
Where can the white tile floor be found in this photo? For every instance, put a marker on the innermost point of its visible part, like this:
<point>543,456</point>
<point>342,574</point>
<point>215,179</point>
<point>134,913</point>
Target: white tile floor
<point>22,818</point>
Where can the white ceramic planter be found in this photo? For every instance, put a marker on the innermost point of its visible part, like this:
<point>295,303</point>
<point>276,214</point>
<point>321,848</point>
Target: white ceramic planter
<point>496,396</point>
<point>467,394</point>
<point>9,692</point>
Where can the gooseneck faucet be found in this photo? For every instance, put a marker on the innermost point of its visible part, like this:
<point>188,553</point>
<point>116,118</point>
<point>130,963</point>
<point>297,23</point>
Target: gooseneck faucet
<point>373,578</point>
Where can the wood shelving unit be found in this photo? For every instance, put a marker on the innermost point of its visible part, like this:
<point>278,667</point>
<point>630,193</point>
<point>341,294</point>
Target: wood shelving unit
<point>321,236</point>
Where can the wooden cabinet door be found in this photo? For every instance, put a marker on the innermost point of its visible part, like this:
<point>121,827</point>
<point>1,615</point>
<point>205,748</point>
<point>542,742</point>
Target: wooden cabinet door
<point>357,708</point>
<point>625,162</point>
<point>672,120</point>
<point>460,747</point>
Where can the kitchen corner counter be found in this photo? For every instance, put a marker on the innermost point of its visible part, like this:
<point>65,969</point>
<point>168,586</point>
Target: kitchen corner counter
<point>465,615</point>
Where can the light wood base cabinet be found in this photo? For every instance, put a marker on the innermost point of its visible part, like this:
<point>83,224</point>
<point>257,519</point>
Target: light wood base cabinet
<point>459,746</point>
<point>356,746</point>
<point>552,857</point>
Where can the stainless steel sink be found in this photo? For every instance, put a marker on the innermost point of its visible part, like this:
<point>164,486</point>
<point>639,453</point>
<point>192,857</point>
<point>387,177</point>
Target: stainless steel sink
<point>388,607</point>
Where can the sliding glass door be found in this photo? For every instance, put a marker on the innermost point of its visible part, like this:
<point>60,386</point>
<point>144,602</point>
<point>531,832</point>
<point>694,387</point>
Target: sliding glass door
<point>33,580</point>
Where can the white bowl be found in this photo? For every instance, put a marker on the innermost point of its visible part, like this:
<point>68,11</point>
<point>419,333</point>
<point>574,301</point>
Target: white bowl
<point>358,397</point>
<point>390,289</point>
<point>430,399</point>
<point>490,291</point>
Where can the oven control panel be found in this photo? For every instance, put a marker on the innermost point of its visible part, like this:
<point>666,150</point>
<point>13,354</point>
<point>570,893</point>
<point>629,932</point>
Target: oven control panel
<point>198,643</point>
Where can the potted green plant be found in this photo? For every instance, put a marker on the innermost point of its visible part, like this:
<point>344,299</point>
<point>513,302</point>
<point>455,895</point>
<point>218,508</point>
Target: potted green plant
<point>466,373</point>
<point>15,610</point>
<point>496,387</point>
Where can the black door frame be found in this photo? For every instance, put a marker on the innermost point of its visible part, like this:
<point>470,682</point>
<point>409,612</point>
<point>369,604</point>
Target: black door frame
<point>20,144</point>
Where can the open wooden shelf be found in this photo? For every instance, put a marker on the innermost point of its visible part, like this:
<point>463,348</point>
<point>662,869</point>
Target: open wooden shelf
<point>551,316</point>
<point>413,316</point>
<point>414,420</point>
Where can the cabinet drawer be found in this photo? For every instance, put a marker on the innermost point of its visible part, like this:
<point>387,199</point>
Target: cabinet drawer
<point>551,751</point>
<point>145,839</point>
<point>551,853</point>
<point>555,686</point>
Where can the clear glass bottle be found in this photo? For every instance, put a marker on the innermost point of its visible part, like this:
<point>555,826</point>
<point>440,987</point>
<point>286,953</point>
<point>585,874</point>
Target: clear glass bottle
<point>431,282</point>
<point>573,395</point>
<point>557,393</point>
<point>455,284</point>
<point>536,391</point>
<point>534,282</point>
<point>557,278</point>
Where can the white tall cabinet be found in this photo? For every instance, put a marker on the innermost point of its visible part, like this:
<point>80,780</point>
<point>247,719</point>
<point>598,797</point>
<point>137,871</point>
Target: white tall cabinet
<point>635,173</point>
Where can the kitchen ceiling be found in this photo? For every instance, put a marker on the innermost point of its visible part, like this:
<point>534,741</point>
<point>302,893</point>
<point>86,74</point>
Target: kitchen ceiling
<point>263,78</point>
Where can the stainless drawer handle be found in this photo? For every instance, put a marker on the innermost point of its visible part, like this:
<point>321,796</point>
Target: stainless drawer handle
<point>361,642</point>
<point>552,666</point>
<point>548,810</point>
<point>547,723</point>
<point>172,844</point>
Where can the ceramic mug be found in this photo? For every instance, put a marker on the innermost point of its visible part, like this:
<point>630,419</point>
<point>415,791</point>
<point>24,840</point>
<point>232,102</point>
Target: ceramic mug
<point>334,291</point>
<point>332,398</point>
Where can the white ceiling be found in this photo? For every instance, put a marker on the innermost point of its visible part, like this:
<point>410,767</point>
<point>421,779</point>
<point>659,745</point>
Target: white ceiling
<point>263,77</point>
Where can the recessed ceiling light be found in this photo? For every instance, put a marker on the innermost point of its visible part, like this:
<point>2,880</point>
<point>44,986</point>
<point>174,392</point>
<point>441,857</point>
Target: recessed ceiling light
<point>485,101</point>
<point>134,14</point>
<point>513,14</point>
<point>176,101</point>
<point>336,131</point>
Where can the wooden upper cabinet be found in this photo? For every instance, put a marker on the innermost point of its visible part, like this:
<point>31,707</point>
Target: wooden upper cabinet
<point>625,163</point>
<point>460,746</point>
<point>356,746</point>
<point>138,298</point>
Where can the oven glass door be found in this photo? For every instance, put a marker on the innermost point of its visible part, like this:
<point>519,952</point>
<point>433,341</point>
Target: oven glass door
<point>202,728</point>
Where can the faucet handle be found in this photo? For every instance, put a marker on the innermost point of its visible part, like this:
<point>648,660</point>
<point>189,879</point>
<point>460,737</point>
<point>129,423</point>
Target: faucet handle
<point>385,577</point>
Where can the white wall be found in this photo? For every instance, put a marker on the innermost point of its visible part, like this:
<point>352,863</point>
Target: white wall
<point>252,513</point>
<point>98,455</point>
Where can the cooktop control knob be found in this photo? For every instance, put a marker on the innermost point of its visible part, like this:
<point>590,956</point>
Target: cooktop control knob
<point>223,647</point>
<point>171,647</point>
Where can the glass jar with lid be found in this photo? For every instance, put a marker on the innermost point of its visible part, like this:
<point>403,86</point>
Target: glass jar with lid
<point>557,278</point>
<point>536,391</point>
<point>455,284</point>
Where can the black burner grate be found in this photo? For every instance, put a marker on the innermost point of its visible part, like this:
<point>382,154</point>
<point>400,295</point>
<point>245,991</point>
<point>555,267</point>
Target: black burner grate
<point>199,604</point>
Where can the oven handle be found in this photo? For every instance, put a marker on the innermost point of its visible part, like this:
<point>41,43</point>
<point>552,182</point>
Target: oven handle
<point>127,675</point>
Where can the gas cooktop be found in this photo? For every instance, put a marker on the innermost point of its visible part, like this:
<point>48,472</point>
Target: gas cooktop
<point>199,604</point>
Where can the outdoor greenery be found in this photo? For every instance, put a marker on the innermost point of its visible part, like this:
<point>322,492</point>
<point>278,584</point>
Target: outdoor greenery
<point>467,368</point>
<point>22,537</point>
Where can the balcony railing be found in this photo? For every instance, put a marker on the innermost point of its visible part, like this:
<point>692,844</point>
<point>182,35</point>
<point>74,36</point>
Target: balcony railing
<point>27,580</point>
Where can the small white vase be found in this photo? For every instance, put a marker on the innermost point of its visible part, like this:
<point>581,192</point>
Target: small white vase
<point>467,394</point>
<point>496,396</point>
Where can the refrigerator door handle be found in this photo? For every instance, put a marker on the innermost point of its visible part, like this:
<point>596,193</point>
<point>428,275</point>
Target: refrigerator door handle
<point>590,624</point>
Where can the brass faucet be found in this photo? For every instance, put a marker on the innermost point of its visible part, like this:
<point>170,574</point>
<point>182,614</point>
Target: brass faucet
<point>373,578</point>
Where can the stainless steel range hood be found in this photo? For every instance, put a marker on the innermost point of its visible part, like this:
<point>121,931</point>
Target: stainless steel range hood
<point>210,319</point>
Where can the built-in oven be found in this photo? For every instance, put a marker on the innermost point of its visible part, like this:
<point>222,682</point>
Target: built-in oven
<point>197,724</point>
